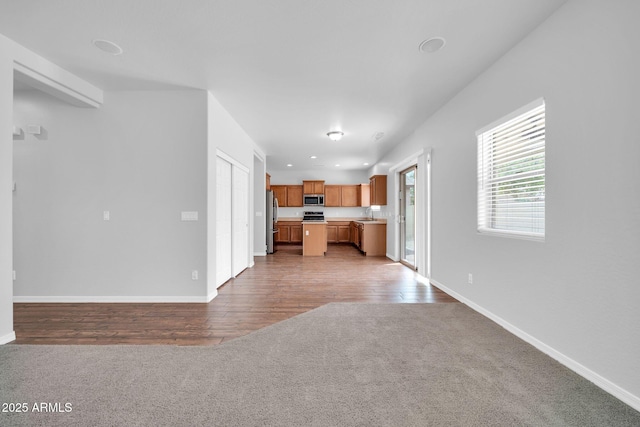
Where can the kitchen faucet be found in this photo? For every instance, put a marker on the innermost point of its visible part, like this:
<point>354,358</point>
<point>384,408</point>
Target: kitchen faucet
<point>370,210</point>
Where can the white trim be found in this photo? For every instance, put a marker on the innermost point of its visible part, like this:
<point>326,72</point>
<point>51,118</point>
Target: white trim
<point>408,161</point>
<point>5,339</point>
<point>224,156</point>
<point>47,84</point>
<point>112,299</point>
<point>520,111</point>
<point>393,257</point>
<point>605,384</point>
<point>263,253</point>
<point>212,295</point>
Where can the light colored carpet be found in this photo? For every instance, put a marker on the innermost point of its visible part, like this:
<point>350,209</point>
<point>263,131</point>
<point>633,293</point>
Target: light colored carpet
<point>339,365</point>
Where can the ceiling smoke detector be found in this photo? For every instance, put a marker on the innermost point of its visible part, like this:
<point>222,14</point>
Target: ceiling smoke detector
<point>432,45</point>
<point>108,46</point>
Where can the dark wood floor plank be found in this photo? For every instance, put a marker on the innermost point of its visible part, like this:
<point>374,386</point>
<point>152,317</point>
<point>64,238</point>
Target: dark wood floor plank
<point>278,287</point>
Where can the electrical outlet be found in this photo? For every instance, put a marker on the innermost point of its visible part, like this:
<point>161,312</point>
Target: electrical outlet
<point>14,275</point>
<point>470,278</point>
<point>106,215</point>
<point>194,275</point>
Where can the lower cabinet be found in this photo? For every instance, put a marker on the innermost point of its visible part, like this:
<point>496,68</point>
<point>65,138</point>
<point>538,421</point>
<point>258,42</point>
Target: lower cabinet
<point>338,232</point>
<point>288,232</point>
<point>370,238</point>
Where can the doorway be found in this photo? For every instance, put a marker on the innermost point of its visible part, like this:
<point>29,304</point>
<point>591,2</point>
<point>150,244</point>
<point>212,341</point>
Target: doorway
<point>407,203</point>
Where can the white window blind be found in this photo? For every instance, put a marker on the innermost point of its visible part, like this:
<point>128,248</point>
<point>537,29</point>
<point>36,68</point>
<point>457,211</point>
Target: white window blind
<point>511,174</point>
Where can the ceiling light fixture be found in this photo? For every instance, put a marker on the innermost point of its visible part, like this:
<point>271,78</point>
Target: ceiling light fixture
<point>289,165</point>
<point>335,135</point>
<point>432,45</point>
<point>108,46</point>
<point>313,157</point>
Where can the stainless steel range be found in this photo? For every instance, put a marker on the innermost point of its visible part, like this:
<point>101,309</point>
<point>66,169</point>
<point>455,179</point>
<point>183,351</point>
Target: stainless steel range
<point>313,216</point>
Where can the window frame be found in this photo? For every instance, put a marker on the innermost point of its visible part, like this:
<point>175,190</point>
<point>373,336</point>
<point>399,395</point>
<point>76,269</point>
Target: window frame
<point>484,168</point>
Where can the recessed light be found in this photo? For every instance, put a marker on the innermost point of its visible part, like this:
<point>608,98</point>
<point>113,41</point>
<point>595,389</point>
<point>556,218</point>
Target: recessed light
<point>108,46</point>
<point>432,45</point>
<point>313,157</point>
<point>337,166</point>
<point>289,165</point>
<point>335,135</point>
<point>365,164</point>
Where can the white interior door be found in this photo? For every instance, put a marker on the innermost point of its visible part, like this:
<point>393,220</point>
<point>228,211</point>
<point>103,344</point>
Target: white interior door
<point>223,221</point>
<point>240,223</point>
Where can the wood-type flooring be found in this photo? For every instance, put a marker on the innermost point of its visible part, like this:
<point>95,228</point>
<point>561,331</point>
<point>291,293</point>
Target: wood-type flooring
<point>277,287</point>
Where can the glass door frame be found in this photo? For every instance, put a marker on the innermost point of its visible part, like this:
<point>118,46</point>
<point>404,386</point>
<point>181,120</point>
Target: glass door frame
<point>410,262</point>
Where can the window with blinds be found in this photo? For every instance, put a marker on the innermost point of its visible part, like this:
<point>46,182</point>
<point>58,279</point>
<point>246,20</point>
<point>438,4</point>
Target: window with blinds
<point>511,174</point>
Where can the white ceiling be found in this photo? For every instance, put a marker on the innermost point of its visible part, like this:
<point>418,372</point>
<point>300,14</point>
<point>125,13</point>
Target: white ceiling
<point>288,71</point>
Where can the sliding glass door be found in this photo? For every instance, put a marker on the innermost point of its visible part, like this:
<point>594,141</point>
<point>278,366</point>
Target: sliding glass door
<point>408,216</point>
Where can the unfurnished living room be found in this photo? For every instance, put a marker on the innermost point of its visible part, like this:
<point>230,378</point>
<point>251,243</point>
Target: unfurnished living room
<point>324,213</point>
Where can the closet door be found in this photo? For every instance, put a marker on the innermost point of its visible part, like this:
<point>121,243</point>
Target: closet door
<point>240,213</point>
<point>223,221</point>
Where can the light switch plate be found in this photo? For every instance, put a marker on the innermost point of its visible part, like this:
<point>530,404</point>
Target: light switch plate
<point>189,216</point>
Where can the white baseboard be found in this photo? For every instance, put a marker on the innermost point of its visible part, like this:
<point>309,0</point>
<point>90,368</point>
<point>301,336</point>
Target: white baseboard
<point>263,253</point>
<point>8,338</point>
<point>111,299</point>
<point>393,257</point>
<point>605,384</point>
<point>212,295</point>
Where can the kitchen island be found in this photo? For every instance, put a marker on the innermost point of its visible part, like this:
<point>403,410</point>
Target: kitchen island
<point>314,238</point>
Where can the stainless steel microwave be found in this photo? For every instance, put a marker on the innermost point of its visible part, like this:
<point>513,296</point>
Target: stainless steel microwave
<point>313,199</point>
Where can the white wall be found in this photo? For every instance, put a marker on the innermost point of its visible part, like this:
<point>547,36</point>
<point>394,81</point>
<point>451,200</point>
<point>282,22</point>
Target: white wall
<point>259,207</point>
<point>63,84</point>
<point>577,293</point>
<point>6,181</point>
<point>142,156</point>
<point>225,135</point>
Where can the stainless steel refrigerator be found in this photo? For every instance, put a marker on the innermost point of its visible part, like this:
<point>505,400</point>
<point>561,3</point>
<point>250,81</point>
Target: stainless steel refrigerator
<point>272,220</point>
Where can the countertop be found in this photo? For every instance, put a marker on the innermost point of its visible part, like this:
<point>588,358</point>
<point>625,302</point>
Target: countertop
<point>335,219</point>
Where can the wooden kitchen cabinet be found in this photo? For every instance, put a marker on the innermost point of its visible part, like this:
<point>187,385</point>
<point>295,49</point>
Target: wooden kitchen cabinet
<point>346,195</point>
<point>296,234</point>
<point>343,233</point>
<point>288,232</point>
<point>338,232</point>
<point>283,235</point>
<point>370,238</point>
<point>354,234</point>
<point>268,181</point>
<point>332,195</point>
<point>349,195</point>
<point>364,195</point>
<point>378,190</point>
<point>294,195</point>
<point>280,193</point>
<point>313,187</point>
<point>332,233</point>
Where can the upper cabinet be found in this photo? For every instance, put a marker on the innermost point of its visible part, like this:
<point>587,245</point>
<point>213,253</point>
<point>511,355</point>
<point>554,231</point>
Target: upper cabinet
<point>288,195</point>
<point>280,193</point>
<point>346,195</point>
<point>313,187</point>
<point>332,195</point>
<point>378,189</point>
<point>267,180</point>
<point>294,195</point>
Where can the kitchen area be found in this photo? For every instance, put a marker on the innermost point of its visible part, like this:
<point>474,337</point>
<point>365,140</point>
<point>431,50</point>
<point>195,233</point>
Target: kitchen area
<point>314,214</point>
